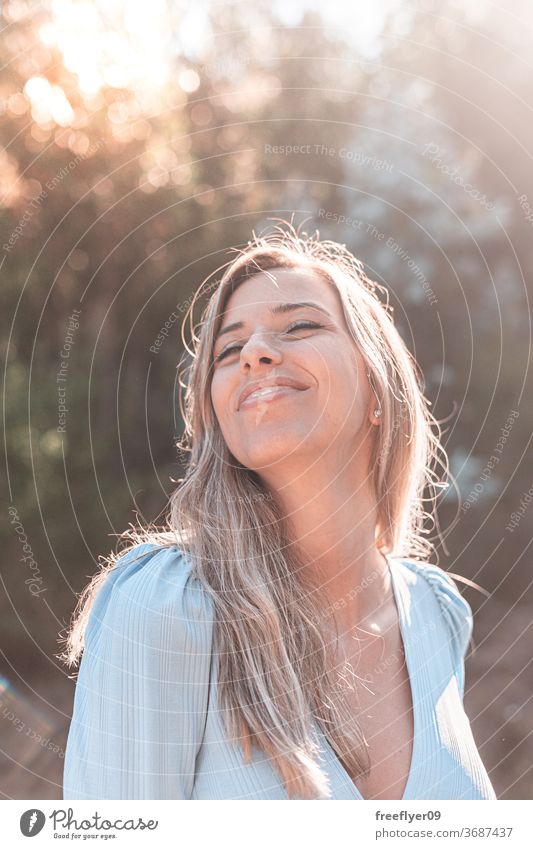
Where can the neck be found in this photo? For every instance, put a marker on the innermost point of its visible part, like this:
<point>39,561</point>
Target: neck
<point>332,521</point>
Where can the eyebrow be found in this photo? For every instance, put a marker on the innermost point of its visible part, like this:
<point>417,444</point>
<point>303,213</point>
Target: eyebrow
<point>275,310</point>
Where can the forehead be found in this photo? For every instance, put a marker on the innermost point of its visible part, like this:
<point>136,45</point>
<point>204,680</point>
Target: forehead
<point>265,288</point>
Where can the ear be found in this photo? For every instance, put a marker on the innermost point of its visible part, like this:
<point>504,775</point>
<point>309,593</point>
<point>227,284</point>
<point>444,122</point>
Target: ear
<point>374,408</point>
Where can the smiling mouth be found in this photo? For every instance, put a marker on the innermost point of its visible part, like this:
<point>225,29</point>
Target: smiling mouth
<point>267,395</point>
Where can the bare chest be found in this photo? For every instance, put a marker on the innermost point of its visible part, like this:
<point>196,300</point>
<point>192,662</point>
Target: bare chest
<point>382,706</point>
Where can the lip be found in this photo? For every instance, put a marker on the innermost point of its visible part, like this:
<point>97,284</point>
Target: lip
<point>265,384</point>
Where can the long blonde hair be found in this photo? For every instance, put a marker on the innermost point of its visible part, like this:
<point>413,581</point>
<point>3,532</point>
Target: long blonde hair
<point>275,663</point>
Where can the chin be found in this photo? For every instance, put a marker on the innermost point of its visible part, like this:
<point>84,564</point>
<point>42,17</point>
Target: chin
<point>266,447</point>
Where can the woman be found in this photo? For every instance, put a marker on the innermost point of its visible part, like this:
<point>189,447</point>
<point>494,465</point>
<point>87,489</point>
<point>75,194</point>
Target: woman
<point>285,637</point>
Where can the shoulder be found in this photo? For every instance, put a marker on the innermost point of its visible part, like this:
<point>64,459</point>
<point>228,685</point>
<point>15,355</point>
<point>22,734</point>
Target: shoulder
<point>443,590</point>
<point>152,594</point>
<point>142,694</point>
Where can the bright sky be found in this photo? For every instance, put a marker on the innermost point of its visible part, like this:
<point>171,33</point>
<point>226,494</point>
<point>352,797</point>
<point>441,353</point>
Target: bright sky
<point>131,43</point>
<point>360,21</point>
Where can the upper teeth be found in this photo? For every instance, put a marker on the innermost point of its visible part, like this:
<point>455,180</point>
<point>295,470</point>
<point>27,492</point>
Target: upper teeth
<point>257,393</point>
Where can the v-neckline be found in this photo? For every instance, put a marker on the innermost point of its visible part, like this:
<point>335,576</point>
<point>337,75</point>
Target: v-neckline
<point>404,632</point>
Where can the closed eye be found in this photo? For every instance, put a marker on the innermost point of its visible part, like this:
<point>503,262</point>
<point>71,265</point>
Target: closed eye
<point>300,325</point>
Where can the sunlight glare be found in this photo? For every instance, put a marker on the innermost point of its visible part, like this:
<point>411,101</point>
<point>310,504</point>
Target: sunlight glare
<point>118,43</point>
<point>48,102</point>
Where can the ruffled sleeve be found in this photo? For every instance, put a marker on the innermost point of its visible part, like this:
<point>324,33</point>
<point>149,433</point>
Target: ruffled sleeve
<point>457,614</point>
<point>142,690</point>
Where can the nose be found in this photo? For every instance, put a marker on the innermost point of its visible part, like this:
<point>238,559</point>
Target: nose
<point>260,348</point>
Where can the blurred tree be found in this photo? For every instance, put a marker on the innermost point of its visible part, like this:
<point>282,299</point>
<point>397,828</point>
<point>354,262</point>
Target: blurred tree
<point>137,149</point>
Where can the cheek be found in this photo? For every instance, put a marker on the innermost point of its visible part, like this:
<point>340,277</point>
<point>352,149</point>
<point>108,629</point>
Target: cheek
<point>220,399</point>
<point>344,393</point>
<point>216,399</point>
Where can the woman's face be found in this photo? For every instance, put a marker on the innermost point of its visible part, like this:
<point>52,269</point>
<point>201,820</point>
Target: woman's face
<point>325,411</point>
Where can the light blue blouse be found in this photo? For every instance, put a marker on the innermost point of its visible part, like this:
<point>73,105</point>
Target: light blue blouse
<point>145,721</point>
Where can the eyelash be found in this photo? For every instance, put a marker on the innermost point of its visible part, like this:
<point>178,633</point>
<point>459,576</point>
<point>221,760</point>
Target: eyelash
<point>297,326</point>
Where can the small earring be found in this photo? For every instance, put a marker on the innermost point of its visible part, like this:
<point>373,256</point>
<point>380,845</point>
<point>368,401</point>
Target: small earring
<point>377,412</point>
